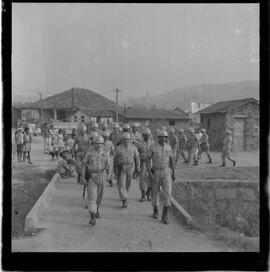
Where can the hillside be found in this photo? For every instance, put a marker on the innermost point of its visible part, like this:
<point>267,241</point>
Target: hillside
<point>206,93</point>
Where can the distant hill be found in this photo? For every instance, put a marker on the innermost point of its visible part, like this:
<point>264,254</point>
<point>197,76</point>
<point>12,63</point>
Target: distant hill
<point>205,93</point>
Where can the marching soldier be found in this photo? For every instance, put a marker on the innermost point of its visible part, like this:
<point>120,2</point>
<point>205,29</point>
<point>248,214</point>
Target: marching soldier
<point>173,141</point>
<point>182,140</point>
<point>143,146</point>
<point>82,141</point>
<point>109,148</point>
<point>204,146</point>
<point>126,162</point>
<point>227,147</point>
<point>192,146</point>
<point>136,135</point>
<point>95,163</point>
<point>115,136</point>
<point>162,173</point>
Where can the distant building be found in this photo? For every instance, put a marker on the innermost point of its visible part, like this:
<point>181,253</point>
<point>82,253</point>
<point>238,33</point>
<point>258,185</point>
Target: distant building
<point>16,115</point>
<point>195,106</point>
<point>155,118</point>
<point>241,116</point>
<point>74,105</point>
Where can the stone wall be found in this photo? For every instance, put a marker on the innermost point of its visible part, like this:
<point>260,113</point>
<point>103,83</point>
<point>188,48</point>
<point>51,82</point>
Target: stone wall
<point>229,204</point>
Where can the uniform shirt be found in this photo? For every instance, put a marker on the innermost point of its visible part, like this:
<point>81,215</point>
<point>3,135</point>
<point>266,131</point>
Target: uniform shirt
<point>192,141</point>
<point>143,147</point>
<point>160,155</point>
<point>115,138</point>
<point>63,167</point>
<point>96,160</point>
<point>182,141</point>
<point>204,138</point>
<point>227,142</point>
<point>109,147</point>
<point>82,142</point>
<point>126,156</point>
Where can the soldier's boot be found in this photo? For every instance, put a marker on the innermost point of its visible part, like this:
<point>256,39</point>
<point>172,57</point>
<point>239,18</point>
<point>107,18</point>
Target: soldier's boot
<point>125,203</point>
<point>164,218</point>
<point>29,159</point>
<point>93,219</point>
<point>223,164</point>
<point>148,194</point>
<point>155,212</point>
<point>143,196</point>
<point>210,161</point>
<point>234,163</point>
<point>97,213</point>
<point>195,163</point>
<point>110,182</point>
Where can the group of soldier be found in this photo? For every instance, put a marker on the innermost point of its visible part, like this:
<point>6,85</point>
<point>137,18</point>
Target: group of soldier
<point>133,152</point>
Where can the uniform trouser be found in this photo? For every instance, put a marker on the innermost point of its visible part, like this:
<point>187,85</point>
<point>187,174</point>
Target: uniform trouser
<point>111,167</point>
<point>95,187</point>
<point>182,153</point>
<point>78,162</point>
<point>124,181</point>
<point>204,148</point>
<point>192,153</point>
<point>175,154</point>
<point>144,178</point>
<point>226,153</point>
<point>163,179</point>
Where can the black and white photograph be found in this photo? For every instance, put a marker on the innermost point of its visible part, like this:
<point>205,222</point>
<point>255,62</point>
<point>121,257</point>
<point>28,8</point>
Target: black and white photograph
<point>135,127</point>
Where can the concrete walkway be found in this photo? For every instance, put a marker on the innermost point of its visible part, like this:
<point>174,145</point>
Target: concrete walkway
<point>66,227</point>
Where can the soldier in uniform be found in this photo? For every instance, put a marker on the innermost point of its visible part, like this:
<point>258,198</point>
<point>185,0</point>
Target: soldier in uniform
<point>192,146</point>
<point>109,148</point>
<point>126,162</point>
<point>115,136</point>
<point>204,146</point>
<point>162,173</point>
<point>227,147</point>
<point>94,166</point>
<point>82,141</point>
<point>27,140</point>
<point>173,141</point>
<point>143,146</point>
<point>182,140</point>
<point>136,135</point>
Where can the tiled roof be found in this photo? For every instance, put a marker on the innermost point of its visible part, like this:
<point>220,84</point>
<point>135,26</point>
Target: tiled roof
<point>74,98</point>
<point>224,106</point>
<point>141,113</point>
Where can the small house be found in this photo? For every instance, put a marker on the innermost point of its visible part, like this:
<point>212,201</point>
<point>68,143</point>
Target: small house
<point>241,116</point>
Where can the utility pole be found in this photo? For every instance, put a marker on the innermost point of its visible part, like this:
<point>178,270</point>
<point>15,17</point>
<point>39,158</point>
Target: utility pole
<point>41,113</point>
<point>117,92</point>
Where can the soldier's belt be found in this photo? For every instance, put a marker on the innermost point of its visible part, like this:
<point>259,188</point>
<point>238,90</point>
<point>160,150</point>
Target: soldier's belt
<point>95,171</point>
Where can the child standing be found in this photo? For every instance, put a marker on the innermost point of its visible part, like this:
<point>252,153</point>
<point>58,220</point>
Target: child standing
<point>27,140</point>
<point>19,143</point>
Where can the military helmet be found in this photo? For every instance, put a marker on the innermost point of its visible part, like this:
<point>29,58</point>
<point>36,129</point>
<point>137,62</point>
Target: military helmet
<point>106,133</point>
<point>191,130</point>
<point>120,129</point>
<point>116,125</point>
<point>203,130</point>
<point>146,131</point>
<point>181,130</point>
<point>94,125</point>
<point>126,136</point>
<point>138,124</point>
<point>98,139</point>
<point>162,133</point>
<point>163,128</point>
<point>93,134</point>
<point>126,126</point>
<point>133,125</point>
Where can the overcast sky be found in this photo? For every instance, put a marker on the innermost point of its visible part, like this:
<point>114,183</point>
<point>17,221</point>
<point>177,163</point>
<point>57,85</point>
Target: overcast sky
<point>138,48</point>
